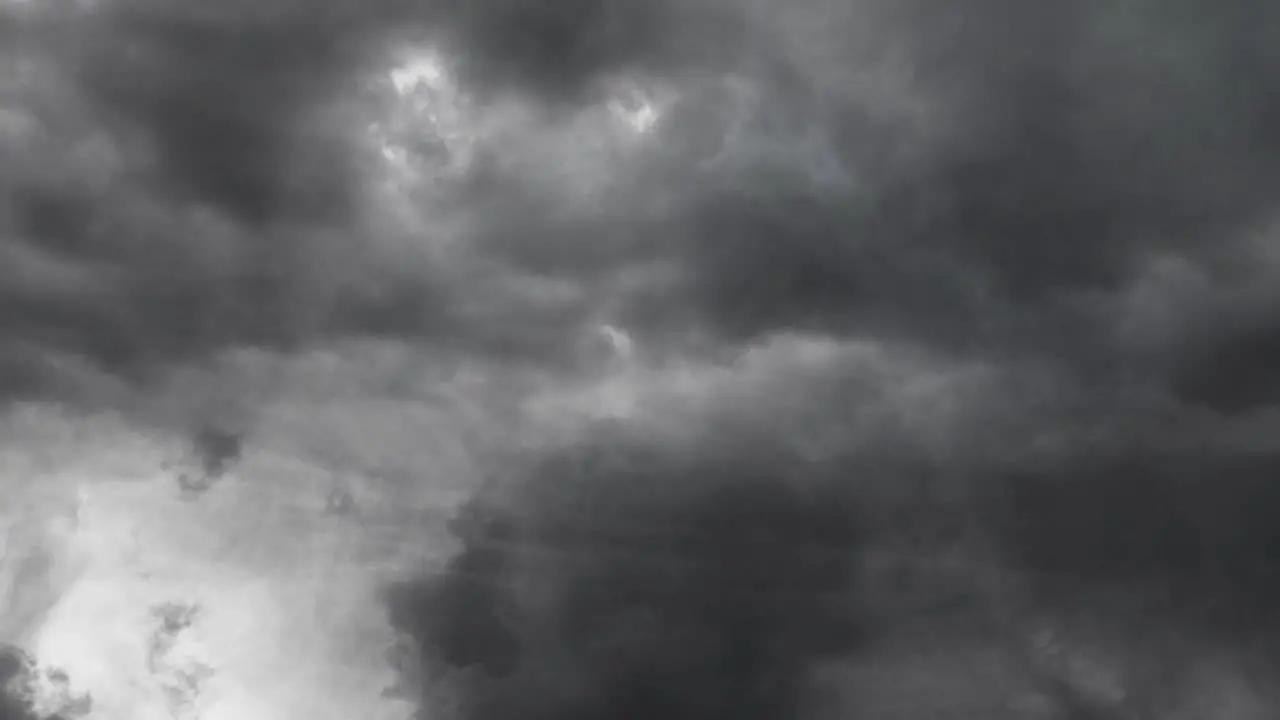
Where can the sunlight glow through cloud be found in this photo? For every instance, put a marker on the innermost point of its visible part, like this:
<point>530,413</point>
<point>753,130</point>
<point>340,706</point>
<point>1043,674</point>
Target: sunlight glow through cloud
<point>636,109</point>
<point>424,131</point>
<point>424,69</point>
<point>133,550</point>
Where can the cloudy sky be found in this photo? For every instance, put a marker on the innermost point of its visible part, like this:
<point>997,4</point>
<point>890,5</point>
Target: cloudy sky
<point>402,246</point>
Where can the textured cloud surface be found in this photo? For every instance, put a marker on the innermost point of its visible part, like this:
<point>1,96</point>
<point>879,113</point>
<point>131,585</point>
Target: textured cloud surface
<point>731,268</point>
<point>1089,183</point>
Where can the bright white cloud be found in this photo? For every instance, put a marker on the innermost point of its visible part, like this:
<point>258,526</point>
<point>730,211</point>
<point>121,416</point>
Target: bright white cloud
<point>286,623</point>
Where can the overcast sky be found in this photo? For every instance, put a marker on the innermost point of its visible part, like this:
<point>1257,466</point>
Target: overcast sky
<point>1083,191</point>
<point>968,237</point>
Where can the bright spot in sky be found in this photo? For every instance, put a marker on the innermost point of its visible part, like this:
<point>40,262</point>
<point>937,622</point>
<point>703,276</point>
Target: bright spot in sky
<point>180,610</point>
<point>618,341</point>
<point>641,118</point>
<point>420,69</point>
<point>423,132</point>
<point>637,107</point>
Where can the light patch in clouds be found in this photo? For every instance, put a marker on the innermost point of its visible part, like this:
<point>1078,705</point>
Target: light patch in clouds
<point>287,623</point>
<point>425,132</point>
<point>619,342</point>
<point>639,105</point>
<point>640,118</point>
<point>818,397</point>
<point>874,223</point>
<point>422,68</point>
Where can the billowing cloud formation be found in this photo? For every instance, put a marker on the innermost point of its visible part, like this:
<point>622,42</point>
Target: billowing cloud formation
<point>639,583</point>
<point>188,179</point>
<point>981,241</point>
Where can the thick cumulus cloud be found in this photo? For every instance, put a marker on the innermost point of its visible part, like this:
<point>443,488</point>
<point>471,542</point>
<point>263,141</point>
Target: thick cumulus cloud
<point>1076,191</point>
<point>796,248</point>
<point>638,581</point>
<point>185,179</point>
<point>150,212</point>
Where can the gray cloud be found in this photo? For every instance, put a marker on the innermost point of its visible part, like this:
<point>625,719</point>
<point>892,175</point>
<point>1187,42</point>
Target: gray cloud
<point>188,185</point>
<point>1071,202</point>
<point>687,585</point>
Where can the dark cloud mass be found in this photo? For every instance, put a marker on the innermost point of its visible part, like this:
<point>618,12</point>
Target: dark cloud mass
<point>227,102</point>
<point>633,582</point>
<point>556,50</point>
<point>222,205</point>
<point>11,668</point>
<point>1081,192</point>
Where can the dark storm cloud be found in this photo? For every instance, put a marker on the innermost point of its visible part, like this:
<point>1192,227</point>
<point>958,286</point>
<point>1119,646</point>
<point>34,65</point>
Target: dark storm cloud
<point>558,51</point>
<point>12,666</point>
<point>1185,531</point>
<point>634,581</point>
<point>220,100</point>
<point>1058,153</point>
<point>1079,153</point>
<point>172,186</point>
<point>1064,149</point>
<point>1236,372</point>
<point>1099,151</point>
<point>988,181</point>
<point>1077,189</point>
<point>1073,149</point>
<point>18,695</point>
<point>182,179</point>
